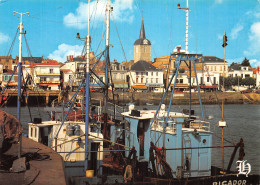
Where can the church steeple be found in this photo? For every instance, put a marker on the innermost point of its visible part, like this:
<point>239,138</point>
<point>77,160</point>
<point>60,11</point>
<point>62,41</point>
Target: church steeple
<point>142,46</point>
<point>142,31</point>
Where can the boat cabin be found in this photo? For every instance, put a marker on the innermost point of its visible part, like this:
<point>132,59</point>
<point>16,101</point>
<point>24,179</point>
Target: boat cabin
<point>182,142</point>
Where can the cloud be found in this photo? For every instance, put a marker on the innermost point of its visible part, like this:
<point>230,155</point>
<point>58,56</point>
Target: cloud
<point>254,62</point>
<point>64,50</point>
<point>254,40</point>
<point>3,38</point>
<point>122,11</point>
<point>235,31</point>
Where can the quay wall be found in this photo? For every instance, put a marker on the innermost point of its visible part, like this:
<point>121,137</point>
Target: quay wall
<point>44,98</point>
<point>141,98</point>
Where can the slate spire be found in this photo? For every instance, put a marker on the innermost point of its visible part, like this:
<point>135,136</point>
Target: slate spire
<point>142,32</point>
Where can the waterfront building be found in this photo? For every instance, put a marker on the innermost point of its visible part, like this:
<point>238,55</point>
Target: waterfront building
<point>237,70</point>
<point>31,59</point>
<point>256,75</point>
<point>215,65</point>
<point>119,75</point>
<point>47,75</point>
<point>208,81</point>
<point>144,76</point>
<point>67,78</point>
<point>7,74</point>
<point>6,61</point>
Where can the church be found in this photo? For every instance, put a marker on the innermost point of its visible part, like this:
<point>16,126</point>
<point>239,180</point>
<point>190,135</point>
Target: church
<point>143,75</point>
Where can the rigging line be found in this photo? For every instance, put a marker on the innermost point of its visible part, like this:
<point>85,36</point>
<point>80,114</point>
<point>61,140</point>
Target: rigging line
<point>119,37</point>
<point>27,46</point>
<point>12,45</point>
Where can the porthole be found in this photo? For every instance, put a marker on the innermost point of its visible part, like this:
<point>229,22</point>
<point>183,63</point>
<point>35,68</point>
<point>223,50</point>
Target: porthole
<point>204,141</point>
<point>168,140</point>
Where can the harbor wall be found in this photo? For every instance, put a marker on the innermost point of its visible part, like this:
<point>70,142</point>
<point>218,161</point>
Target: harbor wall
<point>141,98</point>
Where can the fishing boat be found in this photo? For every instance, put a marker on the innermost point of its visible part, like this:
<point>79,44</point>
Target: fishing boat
<point>172,147</point>
<point>80,139</point>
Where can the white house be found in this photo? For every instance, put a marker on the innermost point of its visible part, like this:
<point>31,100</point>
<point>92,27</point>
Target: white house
<point>144,76</point>
<point>237,70</point>
<point>47,75</point>
<point>215,65</point>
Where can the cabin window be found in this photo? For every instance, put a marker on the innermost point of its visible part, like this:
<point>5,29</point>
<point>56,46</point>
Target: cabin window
<point>204,141</point>
<point>31,132</point>
<point>35,132</point>
<point>207,79</point>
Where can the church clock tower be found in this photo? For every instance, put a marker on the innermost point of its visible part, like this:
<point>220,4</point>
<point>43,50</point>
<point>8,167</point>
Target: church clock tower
<point>142,47</point>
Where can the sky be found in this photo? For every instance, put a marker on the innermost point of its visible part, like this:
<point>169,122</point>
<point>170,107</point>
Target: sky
<point>52,25</point>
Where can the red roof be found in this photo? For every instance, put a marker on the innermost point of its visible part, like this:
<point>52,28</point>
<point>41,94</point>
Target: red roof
<point>256,70</point>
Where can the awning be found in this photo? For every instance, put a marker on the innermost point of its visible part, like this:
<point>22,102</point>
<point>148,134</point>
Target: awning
<point>12,83</point>
<point>181,86</point>
<point>121,85</point>
<point>208,87</point>
<point>139,87</point>
<point>46,85</point>
<point>154,85</point>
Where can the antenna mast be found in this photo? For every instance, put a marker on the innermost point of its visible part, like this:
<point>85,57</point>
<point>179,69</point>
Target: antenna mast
<point>187,26</point>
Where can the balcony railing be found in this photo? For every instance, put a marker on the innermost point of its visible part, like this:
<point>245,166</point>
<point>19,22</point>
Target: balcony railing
<point>47,74</point>
<point>47,82</point>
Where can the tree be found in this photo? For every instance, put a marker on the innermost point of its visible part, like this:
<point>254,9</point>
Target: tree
<point>245,62</point>
<point>248,81</point>
<point>227,83</point>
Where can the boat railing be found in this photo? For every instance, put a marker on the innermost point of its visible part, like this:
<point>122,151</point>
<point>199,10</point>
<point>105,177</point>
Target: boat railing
<point>197,124</point>
<point>169,126</point>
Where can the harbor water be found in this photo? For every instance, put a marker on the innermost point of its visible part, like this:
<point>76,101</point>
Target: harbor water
<point>243,121</point>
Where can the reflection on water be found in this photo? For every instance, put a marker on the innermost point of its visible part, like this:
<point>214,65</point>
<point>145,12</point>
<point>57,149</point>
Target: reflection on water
<point>243,122</point>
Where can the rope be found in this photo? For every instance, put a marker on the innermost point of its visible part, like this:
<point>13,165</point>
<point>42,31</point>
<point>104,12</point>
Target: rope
<point>119,37</point>
<point>12,45</point>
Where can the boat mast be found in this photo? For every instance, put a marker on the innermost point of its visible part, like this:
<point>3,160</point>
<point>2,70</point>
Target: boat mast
<point>187,27</point>
<point>223,123</point>
<point>87,94</point>
<point>19,77</point>
<point>108,10</point>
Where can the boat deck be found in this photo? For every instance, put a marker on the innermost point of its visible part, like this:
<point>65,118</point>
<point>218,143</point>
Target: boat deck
<point>46,166</point>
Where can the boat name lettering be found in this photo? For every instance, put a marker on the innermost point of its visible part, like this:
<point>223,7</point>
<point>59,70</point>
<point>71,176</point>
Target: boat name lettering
<point>243,168</point>
<point>230,182</point>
